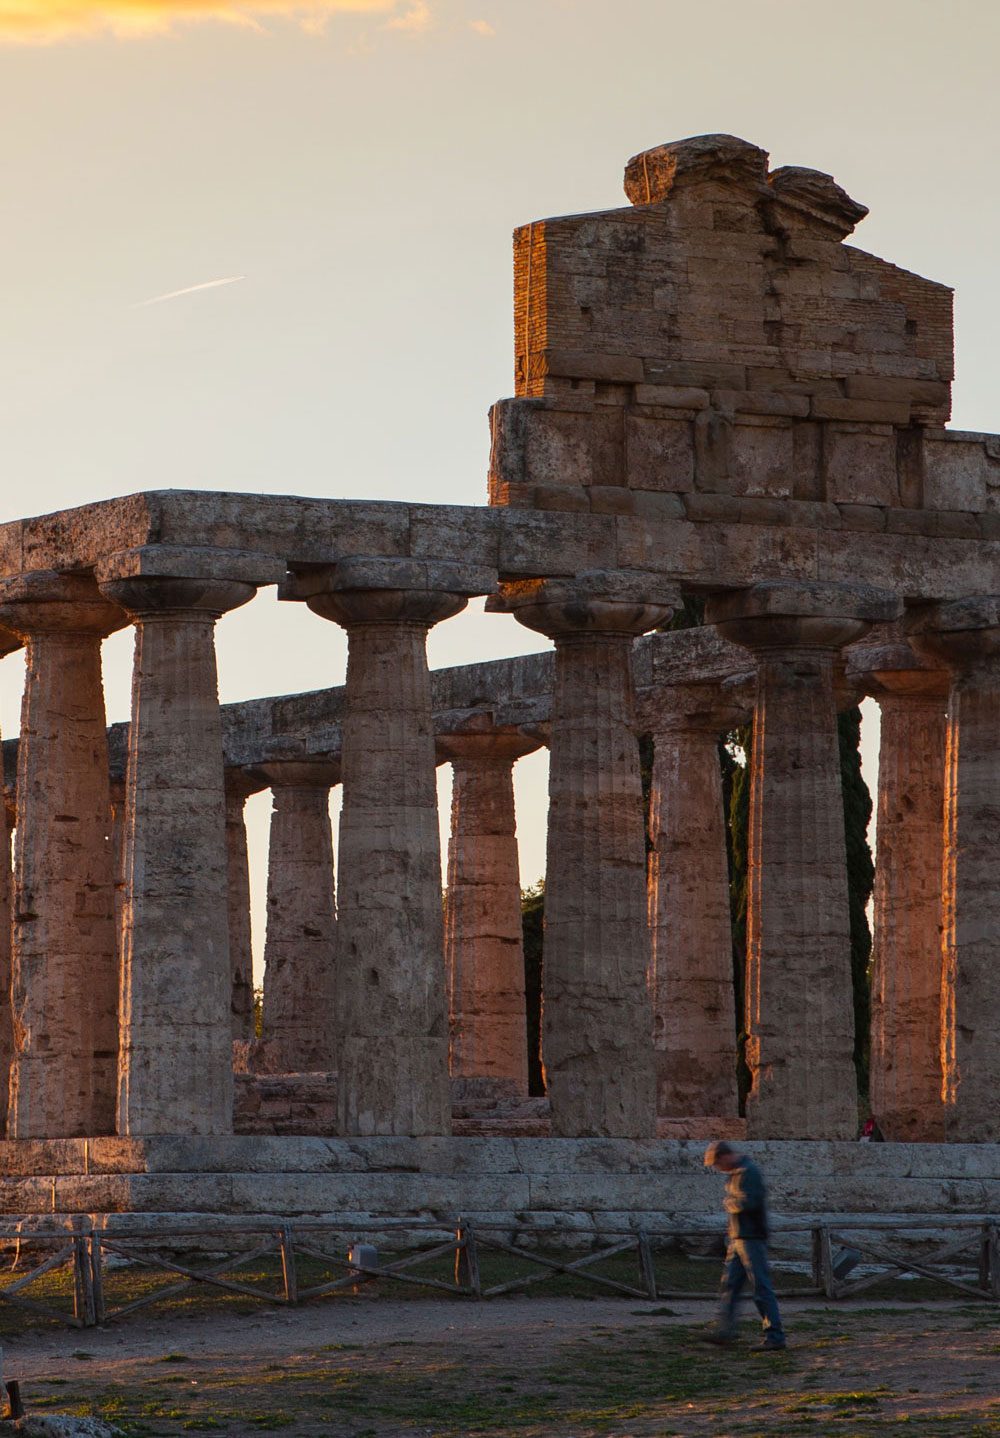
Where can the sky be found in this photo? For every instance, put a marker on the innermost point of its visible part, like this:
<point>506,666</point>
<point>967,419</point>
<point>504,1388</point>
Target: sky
<point>265,247</point>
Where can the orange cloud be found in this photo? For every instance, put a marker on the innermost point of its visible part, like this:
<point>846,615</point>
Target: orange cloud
<point>417,18</point>
<point>40,21</point>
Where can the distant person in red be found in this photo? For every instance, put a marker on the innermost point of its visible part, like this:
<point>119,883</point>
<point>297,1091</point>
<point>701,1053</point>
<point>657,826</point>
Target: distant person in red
<point>871,1133</point>
<point>746,1255</point>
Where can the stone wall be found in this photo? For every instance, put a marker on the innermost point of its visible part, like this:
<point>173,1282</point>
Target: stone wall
<point>570,1184</point>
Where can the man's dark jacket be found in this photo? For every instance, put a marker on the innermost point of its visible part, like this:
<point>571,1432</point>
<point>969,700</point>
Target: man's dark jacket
<point>746,1201</point>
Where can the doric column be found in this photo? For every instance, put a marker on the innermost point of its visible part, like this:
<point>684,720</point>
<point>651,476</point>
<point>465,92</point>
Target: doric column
<point>799,1015</point>
<point>965,634</point>
<point>240,784</point>
<point>175,1074</point>
<point>391,1010</point>
<point>484,948</point>
<point>905,1063</point>
<point>597,1019</point>
<point>64,956</point>
<point>8,644</point>
<point>300,1030</point>
<point>691,969</point>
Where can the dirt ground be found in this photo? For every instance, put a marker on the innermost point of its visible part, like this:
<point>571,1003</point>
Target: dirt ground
<point>374,1367</point>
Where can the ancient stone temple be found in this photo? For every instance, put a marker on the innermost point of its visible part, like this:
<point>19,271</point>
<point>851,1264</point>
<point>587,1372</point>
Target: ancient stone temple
<point>717,399</point>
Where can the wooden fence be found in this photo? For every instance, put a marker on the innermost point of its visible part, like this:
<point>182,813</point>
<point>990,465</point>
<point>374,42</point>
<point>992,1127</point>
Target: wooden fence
<point>87,1249</point>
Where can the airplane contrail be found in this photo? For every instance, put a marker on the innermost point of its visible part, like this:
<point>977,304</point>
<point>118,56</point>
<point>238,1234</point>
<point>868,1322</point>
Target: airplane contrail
<point>189,290</point>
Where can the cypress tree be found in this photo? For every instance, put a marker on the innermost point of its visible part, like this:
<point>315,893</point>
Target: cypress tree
<point>860,881</point>
<point>532,924</point>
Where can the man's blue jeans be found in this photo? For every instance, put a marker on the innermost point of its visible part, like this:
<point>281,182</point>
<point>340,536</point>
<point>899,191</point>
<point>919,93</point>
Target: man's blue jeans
<point>746,1261</point>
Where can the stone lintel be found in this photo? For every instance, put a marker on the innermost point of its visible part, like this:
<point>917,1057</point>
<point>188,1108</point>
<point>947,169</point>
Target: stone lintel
<point>173,561</point>
<point>385,573</point>
<point>803,599</point>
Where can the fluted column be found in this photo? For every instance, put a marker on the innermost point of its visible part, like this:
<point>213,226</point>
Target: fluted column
<point>175,1073</point>
<point>905,1065</point>
<point>8,644</point>
<point>484,947</point>
<point>799,1019</point>
<point>597,1019</point>
<point>240,784</point>
<point>965,634</point>
<point>64,956</point>
<point>691,970</point>
<point>390,990</point>
<point>300,1029</point>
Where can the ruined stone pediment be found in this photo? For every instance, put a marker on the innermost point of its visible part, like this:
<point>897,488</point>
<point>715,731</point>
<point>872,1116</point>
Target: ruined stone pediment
<point>718,337</point>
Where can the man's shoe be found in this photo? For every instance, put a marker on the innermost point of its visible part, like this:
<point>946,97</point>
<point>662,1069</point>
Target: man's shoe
<point>721,1340</point>
<point>768,1346</point>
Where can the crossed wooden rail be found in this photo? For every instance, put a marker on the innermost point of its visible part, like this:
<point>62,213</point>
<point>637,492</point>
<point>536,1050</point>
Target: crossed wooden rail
<point>84,1247</point>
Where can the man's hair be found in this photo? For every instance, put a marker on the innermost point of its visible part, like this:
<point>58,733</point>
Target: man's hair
<point>718,1149</point>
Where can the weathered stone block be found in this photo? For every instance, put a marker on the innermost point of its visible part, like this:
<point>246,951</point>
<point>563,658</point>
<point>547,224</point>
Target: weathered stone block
<point>960,474</point>
<point>672,396</point>
<point>860,468</point>
<point>761,459</point>
<point>860,410</point>
<point>659,454</point>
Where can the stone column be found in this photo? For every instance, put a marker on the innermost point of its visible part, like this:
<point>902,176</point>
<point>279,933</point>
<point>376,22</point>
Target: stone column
<point>8,644</point>
<point>691,970</point>
<point>175,1073</point>
<point>300,1030</point>
<point>799,1016</point>
<point>597,1019</point>
<point>906,950</point>
<point>965,634</point>
<point>64,954</point>
<point>484,948</point>
<point>240,784</point>
<point>391,1009</point>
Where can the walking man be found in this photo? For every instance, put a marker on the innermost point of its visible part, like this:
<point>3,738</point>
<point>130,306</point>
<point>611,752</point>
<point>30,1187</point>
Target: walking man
<point>746,1254</point>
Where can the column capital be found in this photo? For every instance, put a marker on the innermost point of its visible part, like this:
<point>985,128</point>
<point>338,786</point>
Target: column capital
<point>613,601</point>
<point>46,601</point>
<point>9,642</point>
<point>963,633</point>
<point>242,780</point>
<point>146,596</point>
<point>482,742</point>
<point>896,670</point>
<point>794,615</point>
<point>709,708</point>
<point>388,590</point>
<point>299,773</point>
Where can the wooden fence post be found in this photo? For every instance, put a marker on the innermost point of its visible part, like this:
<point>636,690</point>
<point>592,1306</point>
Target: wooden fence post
<point>647,1270</point>
<point>96,1278</point>
<point>288,1272</point>
<point>827,1279</point>
<point>994,1261</point>
<point>467,1261</point>
<point>83,1283</point>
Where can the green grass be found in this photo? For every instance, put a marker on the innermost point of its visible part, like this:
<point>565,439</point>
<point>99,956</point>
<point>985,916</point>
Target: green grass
<point>605,1383</point>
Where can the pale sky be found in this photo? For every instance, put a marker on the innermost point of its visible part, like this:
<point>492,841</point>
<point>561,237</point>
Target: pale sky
<point>353,171</point>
